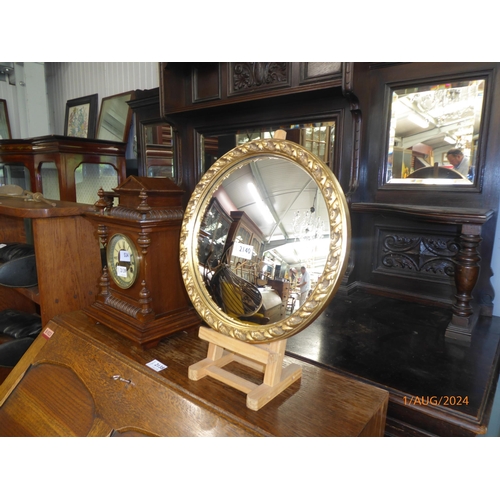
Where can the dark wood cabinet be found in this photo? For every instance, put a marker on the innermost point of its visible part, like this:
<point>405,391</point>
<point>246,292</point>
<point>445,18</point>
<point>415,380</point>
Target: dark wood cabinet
<point>190,86</point>
<point>420,246</point>
<point>430,243</point>
<point>155,137</point>
<point>67,258</point>
<point>63,168</point>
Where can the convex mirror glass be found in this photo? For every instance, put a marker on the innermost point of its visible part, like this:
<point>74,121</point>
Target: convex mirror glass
<point>260,213</point>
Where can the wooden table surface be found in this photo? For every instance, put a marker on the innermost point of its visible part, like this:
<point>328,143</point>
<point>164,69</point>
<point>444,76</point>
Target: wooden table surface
<point>321,404</point>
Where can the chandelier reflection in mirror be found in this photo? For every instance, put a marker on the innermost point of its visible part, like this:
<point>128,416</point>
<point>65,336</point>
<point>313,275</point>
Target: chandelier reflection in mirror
<point>428,121</point>
<point>311,234</point>
<point>286,178</point>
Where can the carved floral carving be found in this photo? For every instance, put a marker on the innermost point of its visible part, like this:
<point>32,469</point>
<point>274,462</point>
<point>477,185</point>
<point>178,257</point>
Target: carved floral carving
<point>248,75</point>
<point>419,254</point>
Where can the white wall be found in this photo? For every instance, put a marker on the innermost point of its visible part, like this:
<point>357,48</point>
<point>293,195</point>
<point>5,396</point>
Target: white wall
<point>37,102</point>
<point>27,103</point>
<point>70,80</point>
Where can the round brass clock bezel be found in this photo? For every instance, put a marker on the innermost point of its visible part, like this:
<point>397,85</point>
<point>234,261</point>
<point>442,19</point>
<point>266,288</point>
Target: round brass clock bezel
<point>329,282</point>
<point>112,266</point>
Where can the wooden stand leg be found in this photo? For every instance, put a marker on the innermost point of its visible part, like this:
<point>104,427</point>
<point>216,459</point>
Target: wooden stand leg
<point>264,358</point>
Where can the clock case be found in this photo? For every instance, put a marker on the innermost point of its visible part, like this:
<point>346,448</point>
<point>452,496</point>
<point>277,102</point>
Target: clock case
<point>149,213</point>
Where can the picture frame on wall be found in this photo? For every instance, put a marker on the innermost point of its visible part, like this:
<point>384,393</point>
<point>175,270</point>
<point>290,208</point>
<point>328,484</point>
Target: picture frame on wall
<point>81,116</point>
<point>5,132</point>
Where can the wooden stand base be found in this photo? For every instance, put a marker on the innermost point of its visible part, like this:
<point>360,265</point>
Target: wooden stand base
<point>460,329</point>
<point>265,358</point>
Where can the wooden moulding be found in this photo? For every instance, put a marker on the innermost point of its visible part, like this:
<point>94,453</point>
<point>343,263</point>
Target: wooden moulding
<point>264,358</point>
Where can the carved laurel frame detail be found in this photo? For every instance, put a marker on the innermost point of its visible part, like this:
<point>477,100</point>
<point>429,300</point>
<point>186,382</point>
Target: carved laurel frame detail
<point>337,260</point>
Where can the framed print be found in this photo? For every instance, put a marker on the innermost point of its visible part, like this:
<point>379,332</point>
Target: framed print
<point>115,117</point>
<point>81,114</point>
<point>4,121</point>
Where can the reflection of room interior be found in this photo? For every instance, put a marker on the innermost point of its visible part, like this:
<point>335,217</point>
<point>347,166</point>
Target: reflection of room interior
<point>415,314</point>
<point>264,223</point>
<point>427,122</point>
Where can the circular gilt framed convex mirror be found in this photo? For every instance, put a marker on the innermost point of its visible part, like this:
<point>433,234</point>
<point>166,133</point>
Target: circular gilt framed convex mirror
<point>259,214</point>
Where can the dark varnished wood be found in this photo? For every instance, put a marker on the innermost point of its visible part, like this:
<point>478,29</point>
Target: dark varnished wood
<point>146,108</point>
<point>401,347</point>
<point>372,84</point>
<point>168,403</point>
<point>68,261</point>
<point>68,153</point>
<point>465,262</point>
<point>150,213</point>
<point>191,86</point>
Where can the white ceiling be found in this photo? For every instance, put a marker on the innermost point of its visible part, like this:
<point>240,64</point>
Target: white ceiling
<point>284,188</point>
<point>447,109</point>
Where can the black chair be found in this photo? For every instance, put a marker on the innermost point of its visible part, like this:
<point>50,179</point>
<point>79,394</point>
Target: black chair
<point>17,265</point>
<point>18,330</point>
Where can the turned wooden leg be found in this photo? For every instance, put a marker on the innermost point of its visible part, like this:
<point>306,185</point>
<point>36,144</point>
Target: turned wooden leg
<point>466,275</point>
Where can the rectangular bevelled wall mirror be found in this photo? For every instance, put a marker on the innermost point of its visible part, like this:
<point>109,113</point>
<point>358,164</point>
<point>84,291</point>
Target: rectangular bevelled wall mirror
<point>318,138</point>
<point>434,133</point>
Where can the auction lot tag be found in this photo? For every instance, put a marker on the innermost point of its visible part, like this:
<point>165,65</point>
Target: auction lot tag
<point>156,365</point>
<point>243,251</point>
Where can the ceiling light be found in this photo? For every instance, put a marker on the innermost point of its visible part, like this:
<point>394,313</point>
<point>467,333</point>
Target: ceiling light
<point>258,200</point>
<point>449,139</point>
<point>418,120</point>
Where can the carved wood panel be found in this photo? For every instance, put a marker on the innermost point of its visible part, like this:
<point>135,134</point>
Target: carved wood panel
<point>247,77</point>
<point>424,255</point>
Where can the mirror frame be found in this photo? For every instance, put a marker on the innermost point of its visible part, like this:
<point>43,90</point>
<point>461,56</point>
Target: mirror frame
<point>336,265</point>
<point>474,186</point>
<point>122,98</point>
<point>414,88</point>
<point>4,119</point>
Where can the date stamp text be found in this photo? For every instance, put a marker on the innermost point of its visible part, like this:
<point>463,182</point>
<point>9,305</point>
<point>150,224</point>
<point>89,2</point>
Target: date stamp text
<point>436,400</point>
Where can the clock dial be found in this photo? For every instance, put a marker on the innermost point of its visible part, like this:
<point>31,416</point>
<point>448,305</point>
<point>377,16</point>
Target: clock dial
<point>123,260</point>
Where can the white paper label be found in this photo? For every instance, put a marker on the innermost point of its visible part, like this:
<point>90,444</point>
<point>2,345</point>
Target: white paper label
<point>156,365</point>
<point>121,271</point>
<point>124,256</point>
<point>242,251</point>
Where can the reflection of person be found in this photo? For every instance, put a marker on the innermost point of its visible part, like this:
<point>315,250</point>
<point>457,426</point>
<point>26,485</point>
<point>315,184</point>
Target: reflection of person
<point>304,285</point>
<point>459,161</point>
<point>293,276</point>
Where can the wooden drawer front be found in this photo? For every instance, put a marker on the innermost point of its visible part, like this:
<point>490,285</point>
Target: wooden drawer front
<point>50,400</point>
<point>109,396</point>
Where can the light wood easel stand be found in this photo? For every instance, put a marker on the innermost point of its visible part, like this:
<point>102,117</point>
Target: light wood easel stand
<point>265,358</point>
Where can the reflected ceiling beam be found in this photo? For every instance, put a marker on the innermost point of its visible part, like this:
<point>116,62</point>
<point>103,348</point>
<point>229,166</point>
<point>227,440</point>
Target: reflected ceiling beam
<point>259,184</point>
<point>278,243</point>
<point>410,141</point>
<point>288,208</point>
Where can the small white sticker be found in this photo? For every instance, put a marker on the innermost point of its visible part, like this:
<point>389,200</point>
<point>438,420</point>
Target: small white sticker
<point>121,271</point>
<point>243,251</point>
<point>156,365</point>
<point>124,256</point>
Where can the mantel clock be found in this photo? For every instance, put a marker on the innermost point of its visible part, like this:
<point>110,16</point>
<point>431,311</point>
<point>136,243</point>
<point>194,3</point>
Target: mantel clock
<point>141,292</point>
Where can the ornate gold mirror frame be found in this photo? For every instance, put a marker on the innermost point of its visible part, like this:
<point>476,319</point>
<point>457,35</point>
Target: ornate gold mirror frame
<point>336,262</point>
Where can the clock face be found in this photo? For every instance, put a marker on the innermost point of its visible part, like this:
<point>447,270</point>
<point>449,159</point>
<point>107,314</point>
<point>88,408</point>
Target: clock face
<point>123,260</point>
